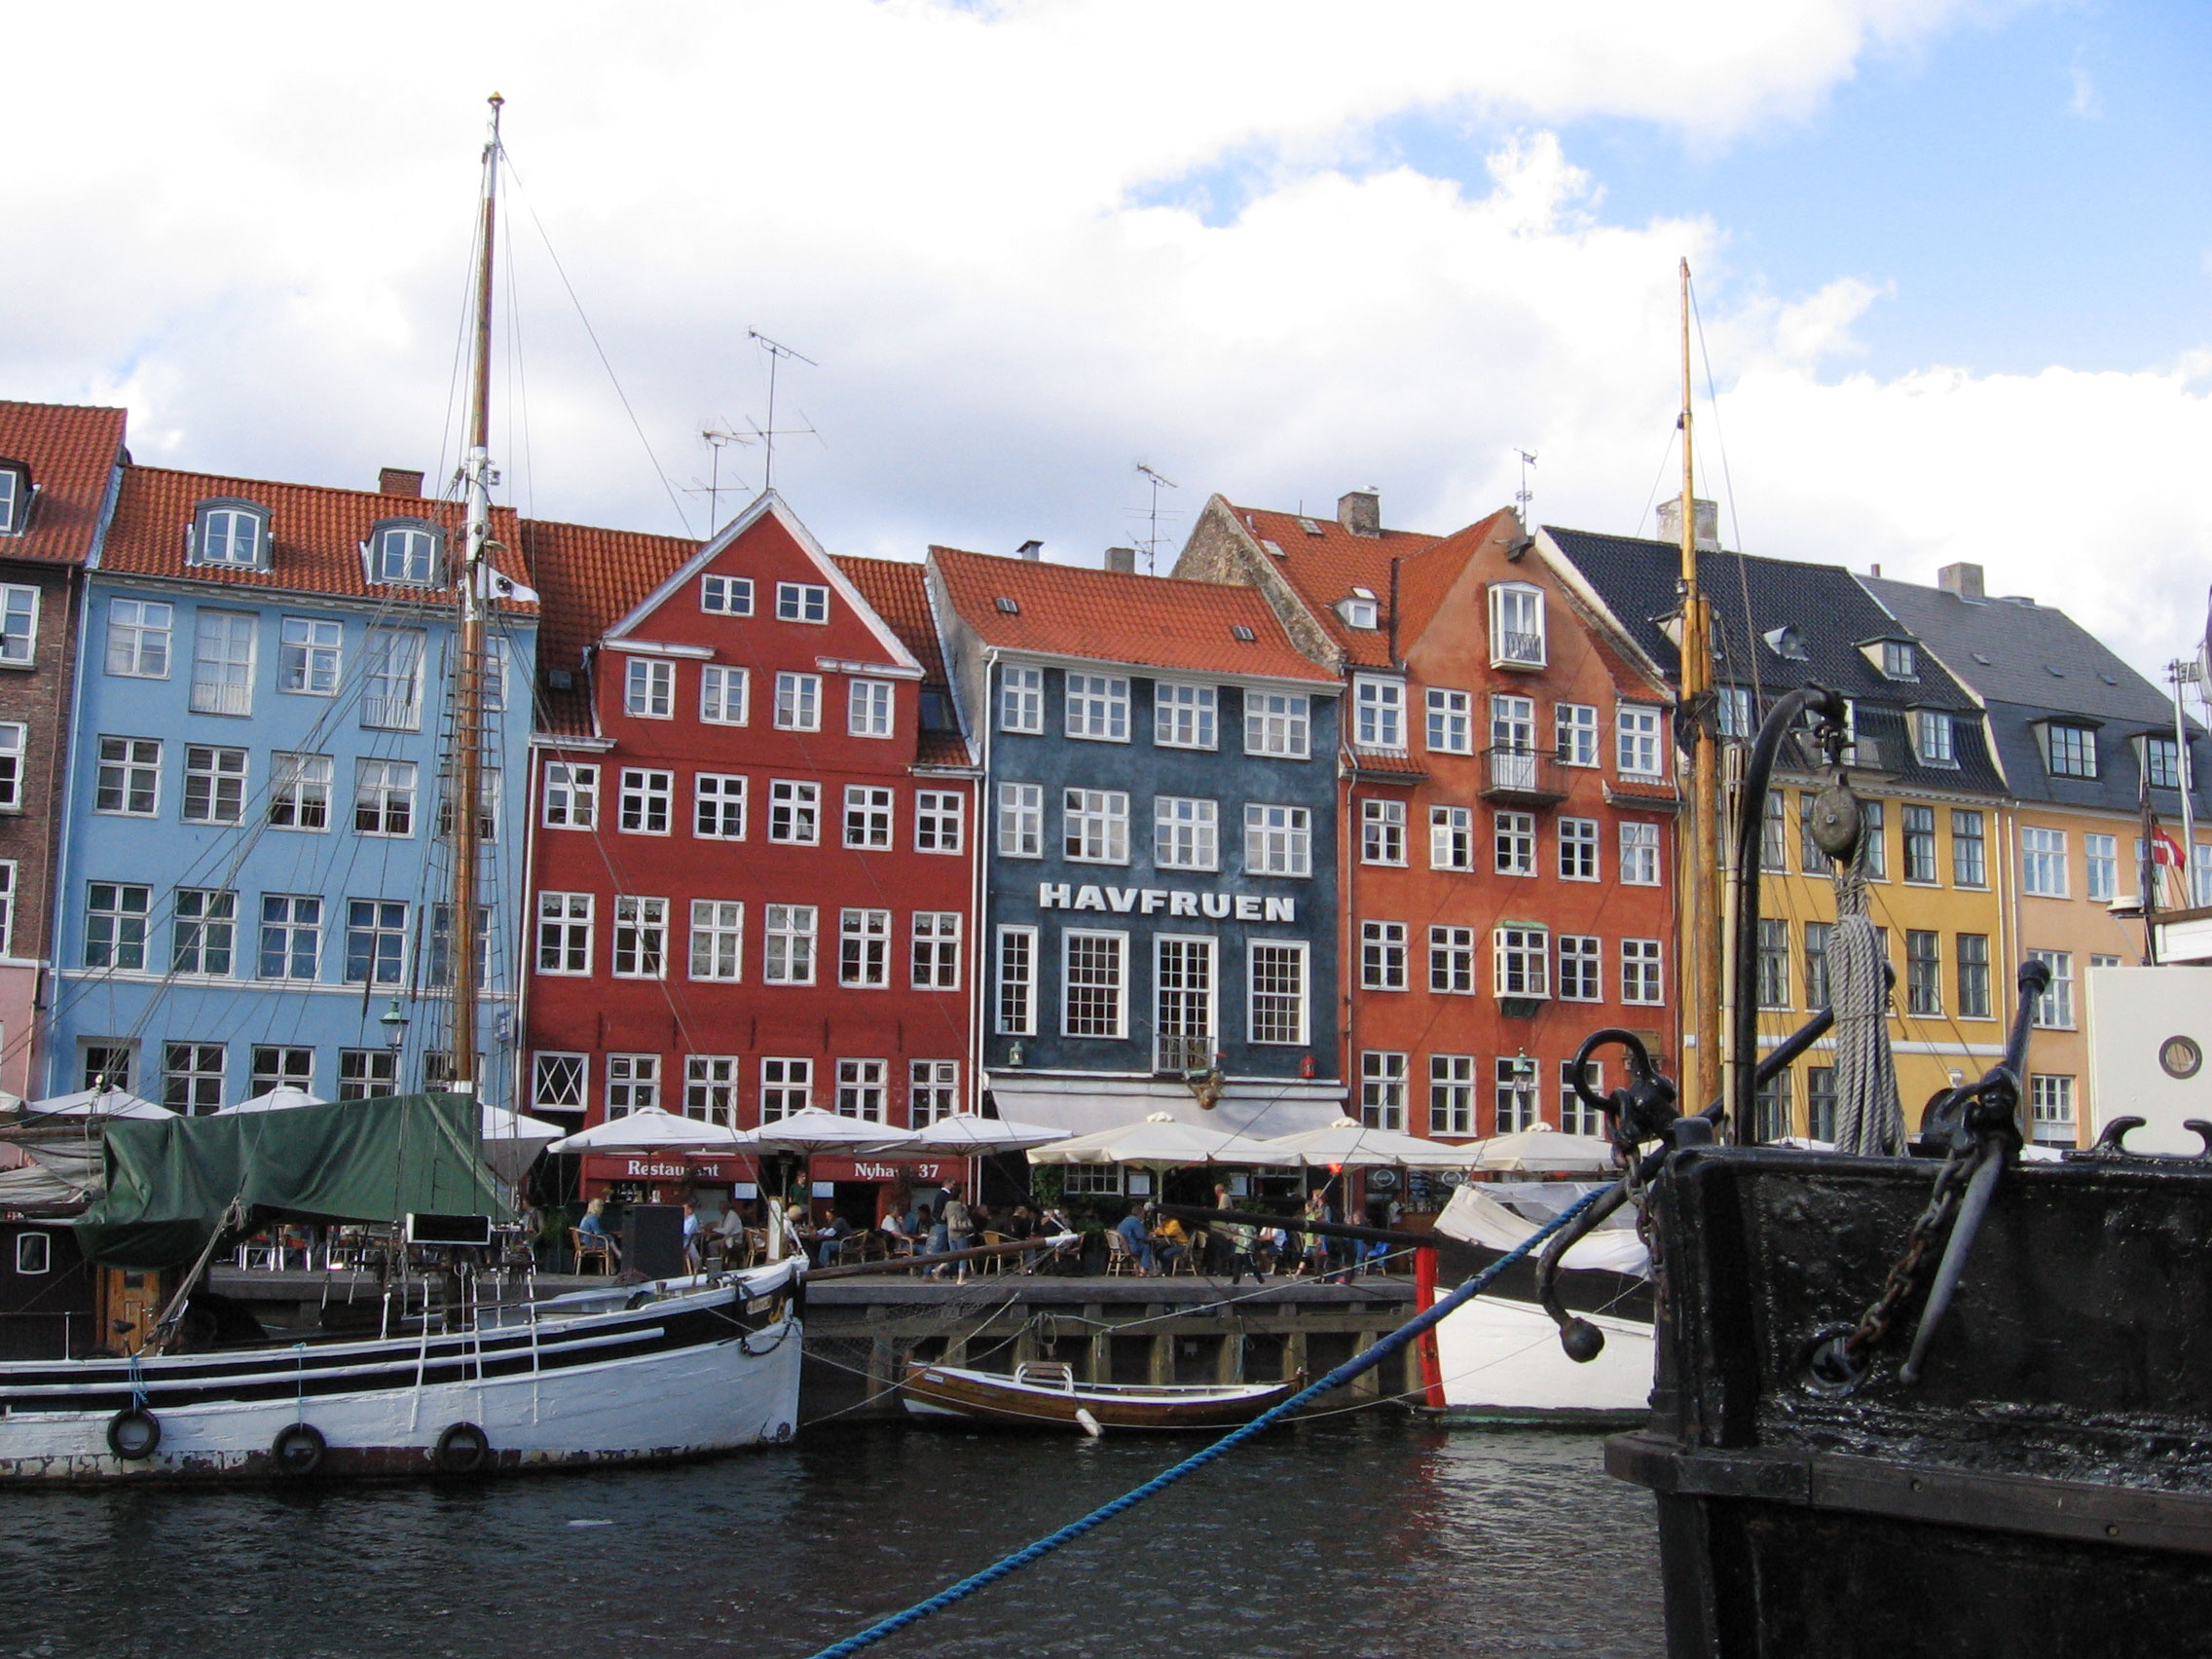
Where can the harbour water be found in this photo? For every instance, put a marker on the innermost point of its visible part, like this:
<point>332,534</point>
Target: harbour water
<point>1366,1538</point>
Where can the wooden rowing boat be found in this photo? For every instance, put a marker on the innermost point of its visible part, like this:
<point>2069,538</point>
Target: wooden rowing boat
<point>1047,1395</point>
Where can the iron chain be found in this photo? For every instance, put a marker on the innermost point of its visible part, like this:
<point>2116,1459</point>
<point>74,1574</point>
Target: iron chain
<point>1905,1273</point>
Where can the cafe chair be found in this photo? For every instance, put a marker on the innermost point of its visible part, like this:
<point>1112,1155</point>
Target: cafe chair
<point>591,1246</point>
<point>1120,1258</point>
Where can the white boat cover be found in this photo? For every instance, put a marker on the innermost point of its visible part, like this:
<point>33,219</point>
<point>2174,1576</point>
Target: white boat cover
<point>1474,1217</point>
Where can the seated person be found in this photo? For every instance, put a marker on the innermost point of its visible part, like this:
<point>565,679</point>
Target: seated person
<point>1169,1243</point>
<point>1022,1225</point>
<point>595,1229</point>
<point>831,1240</point>
<point>1131,1228</point>
<point>896,1238</point>
<point>729,1235</point>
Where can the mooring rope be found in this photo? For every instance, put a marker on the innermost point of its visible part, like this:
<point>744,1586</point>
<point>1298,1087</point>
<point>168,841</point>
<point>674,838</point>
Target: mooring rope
<point>1337,1378</point>
<point>1869,1119</point>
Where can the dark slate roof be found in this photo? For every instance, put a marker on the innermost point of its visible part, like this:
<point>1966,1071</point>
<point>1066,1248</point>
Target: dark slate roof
<point>1832,616</point>
<point>2031,664</point>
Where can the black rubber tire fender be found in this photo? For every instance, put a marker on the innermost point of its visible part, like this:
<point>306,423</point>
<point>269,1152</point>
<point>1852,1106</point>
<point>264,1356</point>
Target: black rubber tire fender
<point>134,1434</point>
<point>297,1450</point>
<point>462,1450</point>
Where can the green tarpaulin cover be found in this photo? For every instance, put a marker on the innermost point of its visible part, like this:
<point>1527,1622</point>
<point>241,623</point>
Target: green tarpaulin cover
<point>171,1180</point>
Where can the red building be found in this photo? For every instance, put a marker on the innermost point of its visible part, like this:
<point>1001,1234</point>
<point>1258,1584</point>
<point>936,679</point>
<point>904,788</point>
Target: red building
<point>1506,807</point>
<point>752,867</point>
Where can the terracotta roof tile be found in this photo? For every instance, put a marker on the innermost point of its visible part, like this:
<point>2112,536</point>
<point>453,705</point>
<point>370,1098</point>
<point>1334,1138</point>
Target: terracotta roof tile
<point>589,579</point>
<point>1116,617</point>
<point>1325,567</point>
<point>899,593</point>
<point>71,452</point>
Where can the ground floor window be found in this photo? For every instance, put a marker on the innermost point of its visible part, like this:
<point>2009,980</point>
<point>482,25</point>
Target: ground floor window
<point>192,1077</point>
<point>1382,1091</point>
<point>932,1090</point>
<point>1451,1095</point>
<point>2051,1100</point>
<point>279,1067</point>
<point>787,1085</point>
<point>1516,1092</point>
<point>558,1082</point>
<point>1820,1103</point>
<point>1575,1117</point>
<point>709,1087</point>
<point>1771,1118</point>
<point>633,1084</point>
<point>859,1090</point>
<point>363,1073</point>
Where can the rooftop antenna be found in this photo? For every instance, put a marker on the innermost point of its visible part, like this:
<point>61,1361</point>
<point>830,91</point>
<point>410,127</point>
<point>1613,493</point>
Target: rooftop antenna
<point>1159,482</point>
<point>1524,496</point>
<point>777,351</point>
<point>718,439</point>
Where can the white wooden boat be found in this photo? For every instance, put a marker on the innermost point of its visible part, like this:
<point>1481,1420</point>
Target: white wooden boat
<point>1047,1395</point>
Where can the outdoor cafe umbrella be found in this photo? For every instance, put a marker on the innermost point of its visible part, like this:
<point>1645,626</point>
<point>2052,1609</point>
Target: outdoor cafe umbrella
<point>95,1103</point>
<point>1159,1142</point>
<point>279,1099</point>
<point>1346,1144</point>
<point>811,1130</point>
<point>969,1135</point>
<point>1540,1151</point>
<point>651,1129</point>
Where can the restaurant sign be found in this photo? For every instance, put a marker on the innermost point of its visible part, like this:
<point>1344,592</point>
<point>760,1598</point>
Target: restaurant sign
<point>665,1166</point>
<point>924,1171</point>
<point>1174,901</point>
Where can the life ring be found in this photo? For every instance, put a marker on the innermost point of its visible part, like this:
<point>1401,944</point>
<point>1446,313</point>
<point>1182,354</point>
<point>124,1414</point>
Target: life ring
<point>134,1433</point>
<point>461,1449</point>
<point>297,1450</point>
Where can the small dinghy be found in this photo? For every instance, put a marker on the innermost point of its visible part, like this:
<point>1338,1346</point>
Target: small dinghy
<point>1047,1395</point>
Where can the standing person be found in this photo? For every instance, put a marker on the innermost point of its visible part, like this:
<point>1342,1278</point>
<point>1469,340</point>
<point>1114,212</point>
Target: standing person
<point>1221,1237</point>
<point>1315,1257</point>
<point>959,1225</point>
<point>932,1225</point>
<point>692,1233</point>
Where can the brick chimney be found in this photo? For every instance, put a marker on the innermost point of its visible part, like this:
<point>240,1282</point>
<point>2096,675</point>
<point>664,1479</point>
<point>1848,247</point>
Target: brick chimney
<point>399,481</point>
<point>1360,511</point>
<point>1121,558</point>
<point>1963,579</point>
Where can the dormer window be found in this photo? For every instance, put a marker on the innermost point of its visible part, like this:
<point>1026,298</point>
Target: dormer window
<point>1899,661</point>
<point>1359,610</point>
<point>2070,751</point>
<point>231,533</point>
<point>14,497</point>
<point>1934,738</point>
<point>1516,626</point>
<point>2162,760</point>
<point>405,553</point>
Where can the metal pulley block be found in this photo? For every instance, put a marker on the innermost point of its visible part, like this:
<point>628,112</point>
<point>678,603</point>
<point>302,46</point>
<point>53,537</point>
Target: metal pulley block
<point>1836,821</point>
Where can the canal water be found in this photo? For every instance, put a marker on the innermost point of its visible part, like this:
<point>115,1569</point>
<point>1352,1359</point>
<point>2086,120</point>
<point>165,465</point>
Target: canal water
<point>1364,1539</point>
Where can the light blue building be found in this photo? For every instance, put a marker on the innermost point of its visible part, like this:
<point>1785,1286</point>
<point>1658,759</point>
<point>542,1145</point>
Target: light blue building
<point>256,853</point>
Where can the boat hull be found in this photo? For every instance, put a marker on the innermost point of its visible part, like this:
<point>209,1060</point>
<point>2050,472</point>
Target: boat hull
<point>1501,1364</point>
<point>705,1367</point>
<point>978,1396</point>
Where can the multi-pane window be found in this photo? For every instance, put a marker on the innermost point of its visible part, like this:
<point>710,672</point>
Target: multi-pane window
<point>291,936</point>
<point>1578,849</point>
<point>1773,963</point>
<point>1973,976</point>
<point>1017,982</point>
<point>795,812</point>
<point>375,940</point>
<point>1575,1117</point>
<point>128,780</point>
<point>227,535</point>
<point>1770,1107</point>
<point>1278,995</point>
<point>2100,865</point>
<point>1184,716</point>
<point>139,635</point>
<point>222,663</point>
<point>1383,831</point>
<point>867,708</point>
<point>1874,841</point>
<point>1522,961</point>
<point>1382,956</point>
<point>1934,738</point>
<point>1817,937</point>
<point>709,1087</point>
<point>487,805</point>
<point>1516,626</point>
<point>281,1066</point>
<point>860,1089</point>
<point>1513,737</point>
<point>867,816</point>
<point>115,924</point>
<point>864,950</point>
<point>641,938</point>
<point>1186,832</point>
<point>937,815</point>
<point>1183,987</point>
<point>1451,1095</point>
<point>559,1082</point>
<point>1379,712</point>
<point>802,602</point>
<point>2054,1009</point>
<point>790,935</point>
<point>633,1084</point>
<point>722,695</point>
<point>1513,843</point>
<point>391,694</point>
<point>1093,982</point>
<point>564,933</point>
<point>299,792</point>
<point>1516,1095</point>
<point>18,624</point>
<point>1919,823</point>
<point>204,931</point>
<point>936,951</point>
<point>571,796</point>
<point>718,940</point>
<point>718,806</point>
<point>2200,874</point>
<point>1382,1089</point>
<point>1279,841</point>
<point>1922,971</point>
<point>1820,1103</point>
<point>441,948</point>
<point>1969,856</point>
<point>1575,727</point>
<point>1639,855</point>
<point>13,734</point>
<point>1581,969</point>
<point>1810,858</point>
<point>1733,704</point>
<point>192,1077</point>
<point>308,655</point>
<point>787,1086</point>
<point>725,596</point>
<point>2050,1104</point>
<point>1451,838</point>
<point>1451,722</point>
<point>1021,821</point>
<point>1098,707</point>
<point>109,1065</point>
<point>1021,699</point>
<point>933,1091</point>
<point>2070,751</point>
<point>799,702</point>
<point>1635,732</point>
<point>1278,723</point>
<point>1452,960</point>
<point>383,798</point>
<point>1774,834</point>
<point>646,802</point>
<point>1642,971</point>
<point>406,554</point>
<point>2043,861</point>
<point>1094,826</point>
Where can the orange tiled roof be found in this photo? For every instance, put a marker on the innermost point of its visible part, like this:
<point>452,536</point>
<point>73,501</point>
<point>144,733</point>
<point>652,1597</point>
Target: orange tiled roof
<point>1115,617</point>
<point>1327,567</point>
<point>70,452</point>
<point>897,591</point>
<point>589,579</point>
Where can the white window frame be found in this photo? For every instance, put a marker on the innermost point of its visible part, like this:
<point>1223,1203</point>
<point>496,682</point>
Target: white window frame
<point>1574,733</point>
<point>725,696</point>
<point>1451,721</point>
<point>1294,950</point>
<point>933,1091</point>
<point>1639,853</point>
<point>1185,716</point>
<point>1936,736</point>
<point>709,1087</point>
<point>15,738</point>
<point>633,1084</point>
<point>301,917</point>
<point>1452,1095</point>
<point>1513,843</point>
<point>1383,1090</point>
<point>1513,641</point>
<point>560,1080</point>
<point>1639,733</point>
<point>934,956</point>
<point>1015,1008</point>
<point>1378,713</point>
<point>141,638</point>
<point>864,1090</point>
<point>19,625</point>
<point>1094,826</point>
<point>2054,1009</point>
<point>1579,859</point>
<point>870,818</point>
<point>1452,966</point>
<point>799,702</point>
<point>645,802</point>
<point>1097,707</point>
<point>2042,855</point>
<point>1279,841</point>
<point>640,936</point>
<point>1643,973</point>
<point>1278,726</point>
<point>940,819</point>
<point>863,948</point>
<point>203,929</point>
<point>311,656</point>
<point>119,917</point>
<point>565,932</point>
<point>787,1085</point>
<point>1383,952</point>
<point>802,602</point>
<point>222,673</point>
<point>129,773</point>
<point>1523,952</point>
<point>649,688</point>
<point>792,945</point>
<point>1117,948</point>
<point>2100,867</point>
<point>1186,832</point>
<point>299,792</point>
<point>1382,832</point>
<point>1452,838</point>
<point>1582,972</point>
<point>725,596</point>
<point>1173,1033</point>
<point>718,804</point>
<point>1021,821</point>
<point>571,796</point>
<point>385,798</point>
<point>391,658</point>
<point>718,941</point>
<point>870,710</point>
<point>1022,700</point>
<point>216,765</point>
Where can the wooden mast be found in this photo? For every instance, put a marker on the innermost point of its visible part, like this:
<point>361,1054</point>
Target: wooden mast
<point>1705,1071</point>
<point>468,683</point>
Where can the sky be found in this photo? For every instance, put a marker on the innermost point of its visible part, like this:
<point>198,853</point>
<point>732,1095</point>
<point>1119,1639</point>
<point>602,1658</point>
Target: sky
<point>1953,258</point>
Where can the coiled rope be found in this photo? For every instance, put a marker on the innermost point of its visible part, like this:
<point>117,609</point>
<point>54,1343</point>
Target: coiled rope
<point>1869,1119</point>
<point>1397,1340</point>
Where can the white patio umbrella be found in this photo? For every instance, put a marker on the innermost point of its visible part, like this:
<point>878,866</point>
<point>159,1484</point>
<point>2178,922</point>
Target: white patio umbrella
<point>95,1103</point>
<point>1541,1150</point>
<point>510,1140</point>
<point>805,1133</point>
<point>1159,1142</point>
<point>1349,1144</point>
<point>969,1135</point>
<point>652,1129</point>
<point>279,1099</point>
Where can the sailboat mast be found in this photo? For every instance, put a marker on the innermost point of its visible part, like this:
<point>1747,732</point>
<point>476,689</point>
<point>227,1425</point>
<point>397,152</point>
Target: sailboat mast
<point>1701,931</point>
<point>469,681</point>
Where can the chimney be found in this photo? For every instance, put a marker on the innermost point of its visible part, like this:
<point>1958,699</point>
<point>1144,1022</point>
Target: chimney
<point>399,481</point>
<point>1708,524</point>
<point>1033,550</point>
<point>1360,511</point>
<point>1963,579</point>
<point>1121,558</point>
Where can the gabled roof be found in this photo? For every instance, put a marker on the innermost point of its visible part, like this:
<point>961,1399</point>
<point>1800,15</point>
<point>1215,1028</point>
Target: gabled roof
<point>588,577</point>
<point>72,453</point>
<point>1120,618</point>
<point>1326,563</point>
<point>898,590</point>
<point>315,534</point>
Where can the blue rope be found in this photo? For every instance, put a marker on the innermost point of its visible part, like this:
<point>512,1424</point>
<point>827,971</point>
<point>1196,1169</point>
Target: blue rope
<point>1337,1378</point>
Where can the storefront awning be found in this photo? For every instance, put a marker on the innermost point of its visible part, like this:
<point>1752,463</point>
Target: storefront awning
<point>1086,1105</point>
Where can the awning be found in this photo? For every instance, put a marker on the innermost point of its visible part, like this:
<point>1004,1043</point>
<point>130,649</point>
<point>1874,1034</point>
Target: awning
<point>1255,1109</point>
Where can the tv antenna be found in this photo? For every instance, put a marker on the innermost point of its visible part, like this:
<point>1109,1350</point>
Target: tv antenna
<point>719,438</point>
<point>1524,496</point>
<point>1159,482</point>
<point>777,351</point>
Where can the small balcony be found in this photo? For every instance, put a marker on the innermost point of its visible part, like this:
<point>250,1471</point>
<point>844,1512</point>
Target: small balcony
<point>1522,776</point>
<point>1509,649</point>
<point>1182,1054</point>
